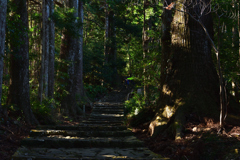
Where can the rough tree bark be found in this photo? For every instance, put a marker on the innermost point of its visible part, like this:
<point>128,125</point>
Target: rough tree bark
<point>79,57</point>
<point>106,38</point>
<point>51,70</point>
<point>145,42</point>
<point>68,51</point>
<point>43,84</point>
<point>19,65</point>
<point>189,81</point>
<point>114,53</point>
<point>3,11</point>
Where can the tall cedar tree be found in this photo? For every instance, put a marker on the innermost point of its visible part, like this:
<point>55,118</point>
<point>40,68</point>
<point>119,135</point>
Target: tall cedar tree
<point>3,11</point>
<point>46,84</point>
<point>79,57</point>
<point>68,52</point>
<point>43,84</point>
<point>189,81</point>
<point>19,64</point>
<point>51,70</point>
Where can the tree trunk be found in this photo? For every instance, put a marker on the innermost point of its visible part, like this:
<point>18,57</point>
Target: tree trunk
<point>112,48</point>
<point>79,58</point>
<point>51,70</point>
<point>115,74</point>
<point>145,47</point>
<point>43,84</point>
<point>45,43</point>
<point>19,65</point>
<point>3,11</point>
<point>106,49</point>
<point>189,81</point>
<point>68,52</point>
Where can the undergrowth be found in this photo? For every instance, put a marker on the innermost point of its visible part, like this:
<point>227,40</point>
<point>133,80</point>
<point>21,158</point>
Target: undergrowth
<point>136,110</point>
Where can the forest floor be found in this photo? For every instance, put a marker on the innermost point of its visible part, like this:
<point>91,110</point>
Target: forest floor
<point>200,141</point>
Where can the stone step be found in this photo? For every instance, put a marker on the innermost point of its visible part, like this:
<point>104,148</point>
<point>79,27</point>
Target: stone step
<point>101,118</point>
<point>120,104</point>
<point>107,111</point>
<point>24,153</point>
<point>107,117</point>
<point>85,127</point>
<point>112,115</point>
<point>110,120</point>
<point>59,141</point>
<point>109,107</point>
<point>102,137</point>
<point>41,133</point>
<point>104,122</point>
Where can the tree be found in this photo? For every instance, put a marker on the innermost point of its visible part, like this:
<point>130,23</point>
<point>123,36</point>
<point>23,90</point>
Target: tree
<point>46,84</point>
<point>19,64</point>
<point>145,41</point>
<point>51,70</point>
<point>3,6</point>
<point>79,57</point>
<point>43,84</point>
<point>189,81</point>
<point>68,52</point>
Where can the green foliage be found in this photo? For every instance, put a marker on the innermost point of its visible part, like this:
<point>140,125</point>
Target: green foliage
<point>65,19</point>
<point>94,70</point>
<point>43,112</point>
<point>14,32</point>
<point>134,105</point>
<point>229,40</point>
<point>95,91</point>
<point>5,89</point>
<point>136,110</point>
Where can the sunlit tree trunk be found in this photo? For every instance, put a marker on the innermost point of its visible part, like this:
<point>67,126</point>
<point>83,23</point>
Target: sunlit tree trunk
<point>3,11</point>
<point>189,79</point>
<point>19,67</point>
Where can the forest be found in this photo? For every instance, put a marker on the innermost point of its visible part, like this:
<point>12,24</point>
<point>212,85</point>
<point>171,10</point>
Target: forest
<point>178,62</point>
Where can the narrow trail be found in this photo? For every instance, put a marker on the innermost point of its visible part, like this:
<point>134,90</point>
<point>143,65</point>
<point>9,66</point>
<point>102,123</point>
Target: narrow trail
<point>103,136</point>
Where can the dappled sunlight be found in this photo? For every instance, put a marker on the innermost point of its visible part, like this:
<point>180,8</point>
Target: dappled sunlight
<point>168,111</point>
<point>113,156</point>
<point>108,115</point>
<point>166,90</point>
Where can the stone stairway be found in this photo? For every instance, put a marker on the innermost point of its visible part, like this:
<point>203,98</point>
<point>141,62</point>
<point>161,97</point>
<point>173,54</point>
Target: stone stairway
<point>103,136</point>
